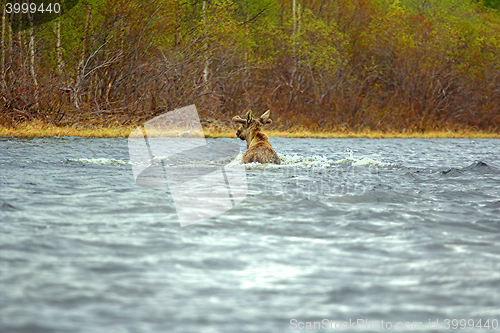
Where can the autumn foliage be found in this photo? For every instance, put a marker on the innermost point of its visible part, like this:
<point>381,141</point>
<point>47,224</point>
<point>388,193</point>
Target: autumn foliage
<point>319,65</point>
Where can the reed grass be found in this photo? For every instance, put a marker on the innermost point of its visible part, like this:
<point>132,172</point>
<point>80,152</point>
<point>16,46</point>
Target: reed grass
<point>39,129</point>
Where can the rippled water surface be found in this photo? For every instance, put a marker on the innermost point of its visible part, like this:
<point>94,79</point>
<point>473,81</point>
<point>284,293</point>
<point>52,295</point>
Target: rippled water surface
<point>400,231</point>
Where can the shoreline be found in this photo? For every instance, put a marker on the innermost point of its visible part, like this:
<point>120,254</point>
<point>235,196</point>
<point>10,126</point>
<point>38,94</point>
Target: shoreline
<point>39,130</point>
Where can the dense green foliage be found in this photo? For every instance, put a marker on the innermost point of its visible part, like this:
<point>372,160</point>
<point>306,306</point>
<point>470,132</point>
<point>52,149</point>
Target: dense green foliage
<point>336,64</point>
<point>492,3</point>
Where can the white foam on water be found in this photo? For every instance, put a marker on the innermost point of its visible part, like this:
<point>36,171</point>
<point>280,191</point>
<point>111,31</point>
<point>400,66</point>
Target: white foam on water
<point>100,161</point>
<point>235,162</point>
<point>365,161</point>
<point>316,161</point>
<point>295,160</point>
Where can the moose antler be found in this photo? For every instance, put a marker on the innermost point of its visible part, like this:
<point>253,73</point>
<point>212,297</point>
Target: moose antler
<point>249,116</point>
<point>264,119</point>
<point>239,120</point>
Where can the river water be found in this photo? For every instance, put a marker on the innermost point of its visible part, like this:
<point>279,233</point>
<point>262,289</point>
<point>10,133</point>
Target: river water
<point>346,231</point>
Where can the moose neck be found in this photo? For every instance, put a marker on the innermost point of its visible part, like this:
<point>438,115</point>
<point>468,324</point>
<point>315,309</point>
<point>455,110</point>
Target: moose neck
<point>255,137</point>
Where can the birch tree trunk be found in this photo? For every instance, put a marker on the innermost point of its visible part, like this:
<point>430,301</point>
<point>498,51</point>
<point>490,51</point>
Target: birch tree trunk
<point>298,28</point>
<point>178,33</point>
<point>2,42</point>
<point>298,18</point>
<point>248,37</point>
<point>247,72</point>
<point>20,45</point>
<point>294,19</point>
<point>32,50</point>
<point>81,63</point>
<point>59,59</point>
<point>11,43</point>
<point>207,57</point>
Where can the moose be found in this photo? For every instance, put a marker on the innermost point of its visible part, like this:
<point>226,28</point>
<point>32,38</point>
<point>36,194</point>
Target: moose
<point>259,148</point>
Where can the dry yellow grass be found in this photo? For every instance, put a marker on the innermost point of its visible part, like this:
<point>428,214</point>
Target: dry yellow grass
<point>469,134</point>
<point>371,134</point>
<point>40,129</point>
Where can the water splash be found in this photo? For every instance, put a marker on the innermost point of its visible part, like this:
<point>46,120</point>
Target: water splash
<point>319,161</point>
<point>100,161</point>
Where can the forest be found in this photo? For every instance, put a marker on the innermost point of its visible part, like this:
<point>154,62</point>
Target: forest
<point>318,65</point>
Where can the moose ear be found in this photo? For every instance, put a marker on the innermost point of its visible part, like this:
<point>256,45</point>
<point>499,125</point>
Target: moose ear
<point>239,120</point>
<point>264,119</point>
<point>249,116</point>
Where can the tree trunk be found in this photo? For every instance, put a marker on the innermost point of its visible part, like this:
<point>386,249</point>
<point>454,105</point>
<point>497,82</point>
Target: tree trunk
<point>32,50</point>
<point>59,58</point>
<point>298,28</point>
<point>11,43</point>
<point>81,63</point>
<point>2,46</point>
<point>20,45</point>
<point>178,34</point>
<point>247,49</point>
<point>294,19</point>
<point>298,18</point>
<point>207,57</point>
<point>248,38</point>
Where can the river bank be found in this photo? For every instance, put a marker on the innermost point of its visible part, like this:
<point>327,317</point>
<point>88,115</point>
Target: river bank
<point>39,129</point>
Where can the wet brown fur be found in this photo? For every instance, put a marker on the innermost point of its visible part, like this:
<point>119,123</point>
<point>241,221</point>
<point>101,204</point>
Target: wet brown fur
<point>259,148</point>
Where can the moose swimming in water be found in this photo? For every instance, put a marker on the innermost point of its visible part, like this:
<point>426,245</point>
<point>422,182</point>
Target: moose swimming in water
<point>259,148</point>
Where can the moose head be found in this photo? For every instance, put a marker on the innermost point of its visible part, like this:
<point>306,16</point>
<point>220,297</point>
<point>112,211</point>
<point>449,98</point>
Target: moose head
<point>259,148</point>
<point>251,125</point>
